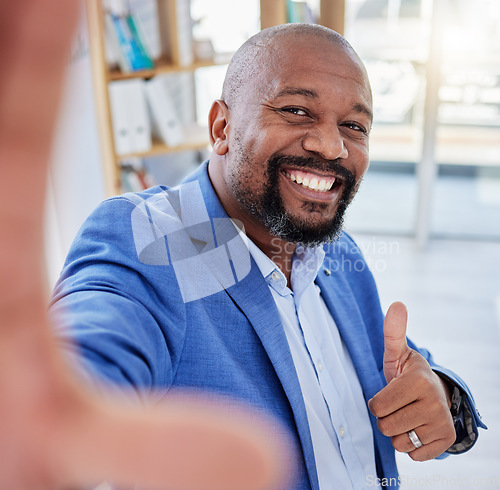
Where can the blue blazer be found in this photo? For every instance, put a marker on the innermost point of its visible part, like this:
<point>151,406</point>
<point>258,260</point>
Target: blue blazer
<point>119,299</point>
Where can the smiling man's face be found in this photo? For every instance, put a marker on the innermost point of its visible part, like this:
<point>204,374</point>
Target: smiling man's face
<point>297,141</point>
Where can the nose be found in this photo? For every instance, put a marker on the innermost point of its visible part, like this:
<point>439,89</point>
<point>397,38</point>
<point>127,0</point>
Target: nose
<point>326,142</point>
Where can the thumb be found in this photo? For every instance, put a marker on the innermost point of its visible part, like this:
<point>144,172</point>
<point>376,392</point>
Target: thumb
<point>395,348</point>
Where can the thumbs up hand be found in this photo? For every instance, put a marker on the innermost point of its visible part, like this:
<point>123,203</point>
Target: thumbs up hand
<point>415,399</point>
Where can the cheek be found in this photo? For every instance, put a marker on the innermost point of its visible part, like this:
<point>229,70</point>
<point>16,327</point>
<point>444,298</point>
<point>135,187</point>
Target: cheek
<point>361,160</point>
<point>245,172</point>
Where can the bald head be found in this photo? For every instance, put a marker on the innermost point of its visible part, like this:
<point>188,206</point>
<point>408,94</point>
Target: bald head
<point>256,53</point>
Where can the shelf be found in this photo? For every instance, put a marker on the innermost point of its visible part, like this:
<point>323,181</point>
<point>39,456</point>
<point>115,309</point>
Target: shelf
<point>164,67</point>
<point>197,139</point>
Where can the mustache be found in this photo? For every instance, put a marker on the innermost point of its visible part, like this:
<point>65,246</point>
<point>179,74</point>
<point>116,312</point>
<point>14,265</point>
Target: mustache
<point>326,166</point>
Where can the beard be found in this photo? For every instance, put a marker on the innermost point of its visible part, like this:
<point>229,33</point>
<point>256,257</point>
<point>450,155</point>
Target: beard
<point>268,206</point>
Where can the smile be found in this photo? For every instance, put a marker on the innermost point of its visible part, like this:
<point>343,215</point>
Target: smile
<point>310,180</point>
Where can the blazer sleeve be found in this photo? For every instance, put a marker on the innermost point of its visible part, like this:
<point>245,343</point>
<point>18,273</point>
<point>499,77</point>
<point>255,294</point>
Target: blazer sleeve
<point>467,418</point>
<point>124,319</point>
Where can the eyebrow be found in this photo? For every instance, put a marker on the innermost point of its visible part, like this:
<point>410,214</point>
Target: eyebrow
<point>362,109</point>
<point>297,91</point>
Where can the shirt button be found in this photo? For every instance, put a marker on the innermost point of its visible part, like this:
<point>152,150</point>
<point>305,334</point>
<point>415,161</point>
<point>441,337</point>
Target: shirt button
<point>276,276</point>
<point>341,431</point>
<point>319,365</point>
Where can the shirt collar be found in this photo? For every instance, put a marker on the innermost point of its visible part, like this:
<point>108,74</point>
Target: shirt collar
<point>306,263</point>
<point>305,267</point>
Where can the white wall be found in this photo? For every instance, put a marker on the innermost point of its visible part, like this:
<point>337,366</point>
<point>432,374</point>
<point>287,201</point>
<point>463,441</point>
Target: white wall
<point>75,182</point>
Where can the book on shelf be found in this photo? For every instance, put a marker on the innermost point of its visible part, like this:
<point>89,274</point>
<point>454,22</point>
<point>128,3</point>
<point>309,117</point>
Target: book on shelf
<point>140,49</point>
<point>299,11</point>
<point>184,33</point>
<point>165,122</point>
<point>147,15</point>
<point>125,40</point>
<point>130,117</point>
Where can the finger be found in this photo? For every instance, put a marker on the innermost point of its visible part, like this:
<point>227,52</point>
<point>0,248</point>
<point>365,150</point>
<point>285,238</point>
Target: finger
<point>11,16</point>
<point>33,62</point>
<point>395,347</point>
<point>403,420</point>
<point>34,67</point>
<point>400,392</point>
<point>428,450</point>
<point>29,96</point>
<point>187,443</point>
<point>403,444</point>
<point>436,440</point>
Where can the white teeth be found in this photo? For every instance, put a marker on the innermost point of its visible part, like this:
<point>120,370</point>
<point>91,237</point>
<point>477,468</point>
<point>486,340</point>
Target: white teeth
<point>319,185</point>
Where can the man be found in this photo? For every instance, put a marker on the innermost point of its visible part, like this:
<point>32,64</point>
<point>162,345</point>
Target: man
<point>223,283</point>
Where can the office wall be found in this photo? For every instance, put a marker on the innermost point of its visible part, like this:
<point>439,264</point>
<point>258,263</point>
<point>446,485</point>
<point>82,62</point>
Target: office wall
<point>75,184</point>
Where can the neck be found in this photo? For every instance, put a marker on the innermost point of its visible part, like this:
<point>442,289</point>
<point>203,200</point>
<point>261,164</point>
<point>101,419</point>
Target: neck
<point>279,251</point>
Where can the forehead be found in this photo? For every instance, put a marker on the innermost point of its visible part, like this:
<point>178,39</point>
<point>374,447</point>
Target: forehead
<point>315,64</point>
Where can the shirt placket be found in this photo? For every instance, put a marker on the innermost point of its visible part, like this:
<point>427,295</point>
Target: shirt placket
<point>332,399</point>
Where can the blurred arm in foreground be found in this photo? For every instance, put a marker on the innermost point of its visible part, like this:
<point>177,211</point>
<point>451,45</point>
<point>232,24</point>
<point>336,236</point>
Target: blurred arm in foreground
<point>54,432</point>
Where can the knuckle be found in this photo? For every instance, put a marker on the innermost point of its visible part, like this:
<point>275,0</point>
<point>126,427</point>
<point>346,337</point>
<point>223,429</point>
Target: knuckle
<point>421,455</point>
<point>399,445</point>
<point>451,440</point>
<point>436,408</point>
<point>420,385</point>
<point>384,426</point>
<point>427,384</point>
<point>376,405</point>
<point>415,456</point>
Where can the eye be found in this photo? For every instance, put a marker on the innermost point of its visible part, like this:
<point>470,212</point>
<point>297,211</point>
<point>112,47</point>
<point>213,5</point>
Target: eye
<point>355,127</point>
<point>298,111</point>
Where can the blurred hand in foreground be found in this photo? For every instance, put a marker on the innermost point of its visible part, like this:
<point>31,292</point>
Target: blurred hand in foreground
<point>54,432</point>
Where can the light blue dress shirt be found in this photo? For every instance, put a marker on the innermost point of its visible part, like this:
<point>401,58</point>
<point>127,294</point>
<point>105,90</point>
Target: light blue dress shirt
<point>336,410</point>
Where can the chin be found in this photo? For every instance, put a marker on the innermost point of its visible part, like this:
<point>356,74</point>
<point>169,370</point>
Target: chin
<point>306,233</point>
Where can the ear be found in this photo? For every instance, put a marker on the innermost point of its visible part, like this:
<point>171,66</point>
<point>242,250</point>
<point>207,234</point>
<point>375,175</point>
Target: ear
<point>218,123</point>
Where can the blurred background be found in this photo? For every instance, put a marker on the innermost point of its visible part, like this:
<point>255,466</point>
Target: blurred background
<point>427,215</point>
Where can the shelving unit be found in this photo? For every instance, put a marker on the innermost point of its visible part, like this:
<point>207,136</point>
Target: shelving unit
<point>273,12</point>
<point>103,75</point>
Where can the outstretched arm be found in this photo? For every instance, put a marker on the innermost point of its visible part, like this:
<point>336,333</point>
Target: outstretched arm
<point>54,433</point>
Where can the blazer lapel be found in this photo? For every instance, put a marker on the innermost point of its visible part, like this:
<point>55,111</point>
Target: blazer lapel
<point>253,297</point>
<point>342,305</point>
